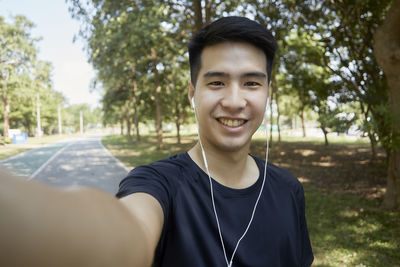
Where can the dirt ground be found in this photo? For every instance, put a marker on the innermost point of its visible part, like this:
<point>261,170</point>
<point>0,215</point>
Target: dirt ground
<point>336,168</point>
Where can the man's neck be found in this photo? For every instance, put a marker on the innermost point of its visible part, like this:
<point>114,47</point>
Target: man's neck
<point>235,169</point>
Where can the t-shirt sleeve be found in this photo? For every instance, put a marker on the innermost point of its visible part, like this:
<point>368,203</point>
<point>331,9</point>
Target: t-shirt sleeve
<point>306,249</point>
<point>147,179</point>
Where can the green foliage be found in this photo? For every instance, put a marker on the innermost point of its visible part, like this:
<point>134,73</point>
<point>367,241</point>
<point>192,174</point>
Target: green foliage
<point>325,55</point>
<point>344,30</point>
<point>23,77</point>
<point>71,117</point>
<point>127,48</point>
<point>143,43</point>
<point>334,119</point>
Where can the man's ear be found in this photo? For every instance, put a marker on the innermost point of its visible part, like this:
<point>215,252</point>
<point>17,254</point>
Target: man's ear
<point>190,91</point>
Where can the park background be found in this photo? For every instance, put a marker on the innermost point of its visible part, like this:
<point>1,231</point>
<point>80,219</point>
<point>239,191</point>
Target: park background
<point>333,119</point>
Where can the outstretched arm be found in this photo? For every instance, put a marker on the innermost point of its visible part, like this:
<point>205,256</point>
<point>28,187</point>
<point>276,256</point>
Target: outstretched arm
<point>45,226</point>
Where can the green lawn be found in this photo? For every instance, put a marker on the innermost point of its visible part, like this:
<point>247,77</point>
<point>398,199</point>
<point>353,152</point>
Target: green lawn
<point>345,229</point>
<point>348,231</point>
<point>133,153</point>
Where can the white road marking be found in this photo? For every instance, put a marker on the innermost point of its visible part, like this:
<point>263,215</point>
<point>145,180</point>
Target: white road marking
<point>48,161</point>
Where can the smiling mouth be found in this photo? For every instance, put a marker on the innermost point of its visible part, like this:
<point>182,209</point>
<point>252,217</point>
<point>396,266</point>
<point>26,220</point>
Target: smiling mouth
<point>231,123</point>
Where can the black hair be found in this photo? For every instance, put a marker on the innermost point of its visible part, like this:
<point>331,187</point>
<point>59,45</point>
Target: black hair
<point>231,29</point>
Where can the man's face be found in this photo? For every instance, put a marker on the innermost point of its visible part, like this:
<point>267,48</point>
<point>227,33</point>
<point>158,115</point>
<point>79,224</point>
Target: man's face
<point>230,95</point>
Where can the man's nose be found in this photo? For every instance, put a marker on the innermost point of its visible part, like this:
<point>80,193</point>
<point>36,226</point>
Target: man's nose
<point>234,97</point>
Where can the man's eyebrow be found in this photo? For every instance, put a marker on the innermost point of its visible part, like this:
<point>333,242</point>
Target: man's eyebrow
<point>255,74</point>
<point>215,73</point>
<point>258,74</point>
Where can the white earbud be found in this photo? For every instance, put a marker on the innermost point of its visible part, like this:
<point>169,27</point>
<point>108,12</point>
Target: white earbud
<point>229,263</point>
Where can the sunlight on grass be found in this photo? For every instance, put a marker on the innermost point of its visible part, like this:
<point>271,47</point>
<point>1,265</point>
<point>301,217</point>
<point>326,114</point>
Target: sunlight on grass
<point>133,153</point>
<point>333,139</point>
<point>347,231</point>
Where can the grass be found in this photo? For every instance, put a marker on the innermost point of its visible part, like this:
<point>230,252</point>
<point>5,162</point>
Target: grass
<point>333,139</point>
<point>346,228</point>
<point>133,154</point>
<point>348,231</point>
<point>10,150</point>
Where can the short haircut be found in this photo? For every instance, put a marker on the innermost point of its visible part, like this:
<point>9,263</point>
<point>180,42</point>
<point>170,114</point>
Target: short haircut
<point>231,29</point>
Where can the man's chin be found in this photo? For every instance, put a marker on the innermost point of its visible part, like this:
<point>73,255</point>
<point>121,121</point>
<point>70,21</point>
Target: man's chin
<point>232,147</point>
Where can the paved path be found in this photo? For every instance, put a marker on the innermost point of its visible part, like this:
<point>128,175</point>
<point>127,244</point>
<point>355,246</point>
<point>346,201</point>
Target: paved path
<point>77,162</point>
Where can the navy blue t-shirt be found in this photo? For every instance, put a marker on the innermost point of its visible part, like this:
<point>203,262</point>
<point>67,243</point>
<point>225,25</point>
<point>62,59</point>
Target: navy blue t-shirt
<point>277,237</point>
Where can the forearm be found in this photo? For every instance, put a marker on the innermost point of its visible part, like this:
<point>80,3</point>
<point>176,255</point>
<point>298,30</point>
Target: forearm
<point>44,226</point>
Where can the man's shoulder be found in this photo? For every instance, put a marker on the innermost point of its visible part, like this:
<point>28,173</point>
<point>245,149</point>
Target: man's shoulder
<point>279,175</point>
<point>154,177</point>
<point>170,165</point>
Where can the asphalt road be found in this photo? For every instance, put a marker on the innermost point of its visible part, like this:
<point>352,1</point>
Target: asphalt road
<point>76,162</point>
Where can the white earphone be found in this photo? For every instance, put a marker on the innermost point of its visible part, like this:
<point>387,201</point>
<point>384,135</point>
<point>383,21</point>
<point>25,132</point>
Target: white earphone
<point>230,262</point>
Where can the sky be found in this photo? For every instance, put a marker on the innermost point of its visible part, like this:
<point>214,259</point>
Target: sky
<point>71,72</point>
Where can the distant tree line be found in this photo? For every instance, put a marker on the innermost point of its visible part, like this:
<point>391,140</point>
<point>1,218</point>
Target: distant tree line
<point>26,83</point>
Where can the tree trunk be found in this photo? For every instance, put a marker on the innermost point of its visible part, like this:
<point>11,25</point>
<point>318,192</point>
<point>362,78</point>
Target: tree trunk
<point>198,15</point>
<point>303,126</point>
<point>134,103</point>
<point>28,128</point>
<point>128,119</point>
<point>387,53</point>
<point>277,107</point>
<point>279,127</point>
<point>178,121</point>
<point>372,141</point>
<point>178,131</point>
<point>136,120</point>
<point>122,126</point>
<point>128,124</point>
<point>6,111</point>
<point>270,121</point>
<point>325,135</point>
<point>370,132</point>
<point>157,100</point>
<point>208,8</point>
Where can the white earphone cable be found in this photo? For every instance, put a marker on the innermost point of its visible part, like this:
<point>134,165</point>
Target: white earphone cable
<point>229,264</point>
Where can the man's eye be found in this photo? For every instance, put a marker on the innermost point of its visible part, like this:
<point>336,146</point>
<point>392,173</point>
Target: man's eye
<point>216,83</point>
<point>252,84</point>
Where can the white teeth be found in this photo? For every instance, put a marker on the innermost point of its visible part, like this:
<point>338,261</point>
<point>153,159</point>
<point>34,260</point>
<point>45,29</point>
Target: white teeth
<point>231,123</point>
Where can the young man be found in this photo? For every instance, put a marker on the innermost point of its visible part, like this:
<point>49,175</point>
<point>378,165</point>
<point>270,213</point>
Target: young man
<point>212,206</point>
<point>209,194</point>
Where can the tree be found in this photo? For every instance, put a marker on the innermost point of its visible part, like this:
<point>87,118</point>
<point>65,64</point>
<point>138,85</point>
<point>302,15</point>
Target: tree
<point>71,116</point>
<point>49,98</point>
<point>17,52</point>
<point>23,77</point>
<point>192,15</point>
<point>302,76</point>
<point>126,47</point>
<point>333,119</point>
<point>387,52</point>
<point>345,31</point>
